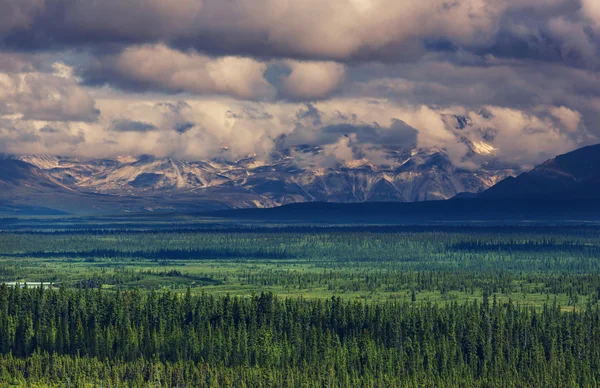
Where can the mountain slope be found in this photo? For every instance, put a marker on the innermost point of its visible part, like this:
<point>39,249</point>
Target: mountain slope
<point>566,188</point>
<point>404,176</point>
<point>304,173</point>
<point>27,189</point>
<point>569,176</point>
<point>17,176</point>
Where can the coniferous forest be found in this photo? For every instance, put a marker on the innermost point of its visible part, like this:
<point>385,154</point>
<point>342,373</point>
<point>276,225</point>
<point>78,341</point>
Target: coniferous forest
<point>214,306</point>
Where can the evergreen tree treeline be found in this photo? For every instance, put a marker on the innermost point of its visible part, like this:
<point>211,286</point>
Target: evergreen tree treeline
<point>130,338</point>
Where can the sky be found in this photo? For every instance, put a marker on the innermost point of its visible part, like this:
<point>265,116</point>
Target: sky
<point>191,78</point>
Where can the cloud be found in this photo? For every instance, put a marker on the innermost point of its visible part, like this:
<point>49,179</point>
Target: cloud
<point>327,129</point>
<point>132,126</point>
<point>309,116</point>
<point>567,117</point>
<point>12,62</point>
<point>162,69</point>
<point>36,95</point>
<point>342,129</point>
<point>463,81</point>
<point>184,127</point>
<point>18,14</point>
<point>159,68</point>
<point>27,137</point>
<point>54,24</point>
<point>191,78</point>
<point>340,152</point>
<point>389,30</point>
<point>591,11</point>
<point>312,80</point>
<point>525,138</point>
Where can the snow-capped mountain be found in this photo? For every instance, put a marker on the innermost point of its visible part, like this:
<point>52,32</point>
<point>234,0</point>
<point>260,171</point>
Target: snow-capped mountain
<point>347,171</point>
<point>399,175</point>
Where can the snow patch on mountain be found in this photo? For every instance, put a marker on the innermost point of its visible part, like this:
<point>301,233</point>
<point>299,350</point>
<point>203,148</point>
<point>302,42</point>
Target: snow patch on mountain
<point>483,148</point>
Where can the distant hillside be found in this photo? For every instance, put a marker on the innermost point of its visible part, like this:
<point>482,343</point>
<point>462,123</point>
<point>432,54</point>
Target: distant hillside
<point>15,174</point>
<point>457,210</point>
<point>29,190</point>
<point>574,175</point>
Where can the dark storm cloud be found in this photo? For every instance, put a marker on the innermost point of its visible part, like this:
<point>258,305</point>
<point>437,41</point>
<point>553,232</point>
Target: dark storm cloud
<point>48,129</point>
<point>560,38</point>
<point>184,127</point>
<point>398,133</point>
<point>55,24</point>
<point>170,47</point>
<point>309,114</point>
<point>391,31</point>
<point>19,15</point>
<point>447,81</point>
<point>249,114</point>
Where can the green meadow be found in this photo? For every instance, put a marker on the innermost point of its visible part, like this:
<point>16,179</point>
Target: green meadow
<point>529,265</point>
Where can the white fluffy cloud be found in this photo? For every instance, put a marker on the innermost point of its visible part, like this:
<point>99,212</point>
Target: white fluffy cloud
<point>345,129</point>
<point>157,67</point>
<point>591,10</point>
<point>522,137</point>
<point>567,117</point>
<point>35,95</point>
<point>162,69</point>
<point>312,80</point>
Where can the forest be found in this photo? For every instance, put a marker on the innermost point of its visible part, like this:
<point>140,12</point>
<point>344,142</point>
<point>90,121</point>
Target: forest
<point>300,306</point>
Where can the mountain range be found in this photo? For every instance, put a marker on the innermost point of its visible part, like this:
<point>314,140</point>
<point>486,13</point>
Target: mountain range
<point>147,183</point>
<point>41,184</point>
<point>563,189</point>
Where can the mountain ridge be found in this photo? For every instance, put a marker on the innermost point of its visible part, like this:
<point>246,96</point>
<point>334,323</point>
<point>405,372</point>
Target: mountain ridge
<point>149,183</point>
<point>564,188</point>
<point>403,176</point>
<point>575,174</point>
